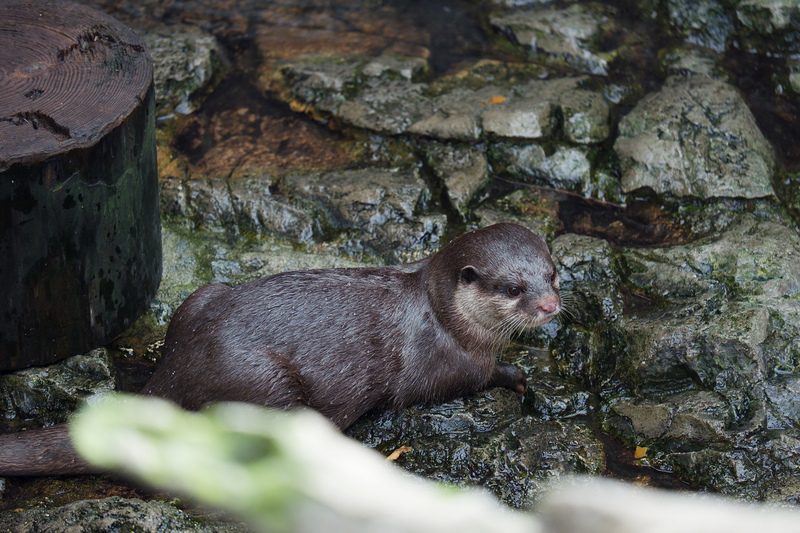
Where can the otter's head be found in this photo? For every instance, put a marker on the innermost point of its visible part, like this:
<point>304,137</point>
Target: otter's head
<point>499,280</point>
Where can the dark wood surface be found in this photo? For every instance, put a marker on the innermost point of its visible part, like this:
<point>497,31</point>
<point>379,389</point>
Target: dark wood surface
<point>80,249</point>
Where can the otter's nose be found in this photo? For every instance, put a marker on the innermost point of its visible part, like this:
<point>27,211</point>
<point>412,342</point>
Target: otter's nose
<point>549,306</point>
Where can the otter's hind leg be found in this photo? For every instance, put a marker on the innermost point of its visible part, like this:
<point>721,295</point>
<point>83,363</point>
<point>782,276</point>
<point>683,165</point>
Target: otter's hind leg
<point>184,342</point>
<point>270,379</point>
<point>261,378</point>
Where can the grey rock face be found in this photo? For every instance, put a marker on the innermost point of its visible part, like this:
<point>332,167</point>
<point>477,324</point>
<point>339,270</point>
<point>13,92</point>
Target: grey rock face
<point>695,137</point>
<point>40,396</point>
<point>463,170</point>
<point>764,26</point>
<point>396,105</point>
<point>186,62</point>
<point>586,345</point>
<point>794,74</point>
<point>195,258</point>
<point>698,362</point>
<point>716,363</point>
<point>375,209</point>
<point>706,23</point>
<point>112,514</point>
<point>568,35</point>
<point>566,168</point>
<point>362,213</point>
<point>770,25</point>
<point>484,439</point>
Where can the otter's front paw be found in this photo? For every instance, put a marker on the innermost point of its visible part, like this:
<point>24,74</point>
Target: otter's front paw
<point>510,377</point>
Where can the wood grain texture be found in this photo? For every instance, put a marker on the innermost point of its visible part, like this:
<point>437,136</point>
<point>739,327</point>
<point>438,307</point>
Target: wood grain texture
<point>80,236</point>
<point>69,74</point>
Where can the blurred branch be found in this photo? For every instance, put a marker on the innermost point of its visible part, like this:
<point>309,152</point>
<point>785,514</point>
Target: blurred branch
<point>280,471</point>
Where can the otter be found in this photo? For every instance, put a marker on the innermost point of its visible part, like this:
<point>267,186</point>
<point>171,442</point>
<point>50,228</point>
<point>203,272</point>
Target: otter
<point>345,341</point>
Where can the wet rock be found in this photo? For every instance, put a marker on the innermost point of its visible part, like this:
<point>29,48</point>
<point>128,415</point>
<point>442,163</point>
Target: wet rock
<point>361,197</point>
<point>394,105</point>
<point>552,398</point>
<point>590,332</point>
<point>195,258</point>
<point>483,440</point>
<point>44,396</point>
<point>762,26</point>
<point>696,416</point>
<point>361,213</point>
<point>685,61</point>
<point>714,360</point>
<point>585,115</point>
<point>570,36</point>
<point>186,64</point>
<point>260,211</point>
<point>551,394</point>
<point>727,298</point>
<point>113,514</point>
<point>390,107</point>
<point>526,111</point>
<point>517,160</point>
<point>695,137</point>
<point>524,118</point>
<point>534,108</point>
<point>567,168</point>
<point>321,81</point>
<point>409,68</point>
<point>769,25</point>
<point>209,202</point>
<point>794,74</point>
<point>373,210</point>
<point>790,193</point>
<point>387,101</point>
<point>705,23</point>
<point>463,170</point>
<point>782,393</point>
<point>244,203</point>
<point>521,207</point>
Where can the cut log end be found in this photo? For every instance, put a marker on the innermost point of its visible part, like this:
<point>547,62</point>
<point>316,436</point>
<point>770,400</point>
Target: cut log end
<point>79,223</point>
<point>68,75</point>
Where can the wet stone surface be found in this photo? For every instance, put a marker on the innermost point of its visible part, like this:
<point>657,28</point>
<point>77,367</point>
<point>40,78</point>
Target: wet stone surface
<point>359,133</point>
<point>567,36</point>
<point>695,137</point>
<point>113,514</point>
<point>43,396</point>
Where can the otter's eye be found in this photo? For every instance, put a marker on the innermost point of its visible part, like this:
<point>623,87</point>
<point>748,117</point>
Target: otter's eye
<point>514,291</point>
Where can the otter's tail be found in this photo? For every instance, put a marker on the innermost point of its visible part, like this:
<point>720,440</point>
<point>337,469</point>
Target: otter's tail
<point>41,452</point>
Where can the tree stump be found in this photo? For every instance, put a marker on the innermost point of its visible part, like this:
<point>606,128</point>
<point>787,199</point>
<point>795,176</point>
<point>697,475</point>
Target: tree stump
<point>80,236</point>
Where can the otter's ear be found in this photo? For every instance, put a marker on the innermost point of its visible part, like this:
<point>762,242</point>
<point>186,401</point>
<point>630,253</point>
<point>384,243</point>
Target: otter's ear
<point>469,274</point>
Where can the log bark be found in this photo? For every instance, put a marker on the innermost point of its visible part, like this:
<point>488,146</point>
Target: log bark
<point>80,237</point>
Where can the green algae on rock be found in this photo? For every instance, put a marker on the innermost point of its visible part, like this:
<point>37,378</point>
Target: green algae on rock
<point>41,396</point>
<point>719,348</point>
<point>115,514</point>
